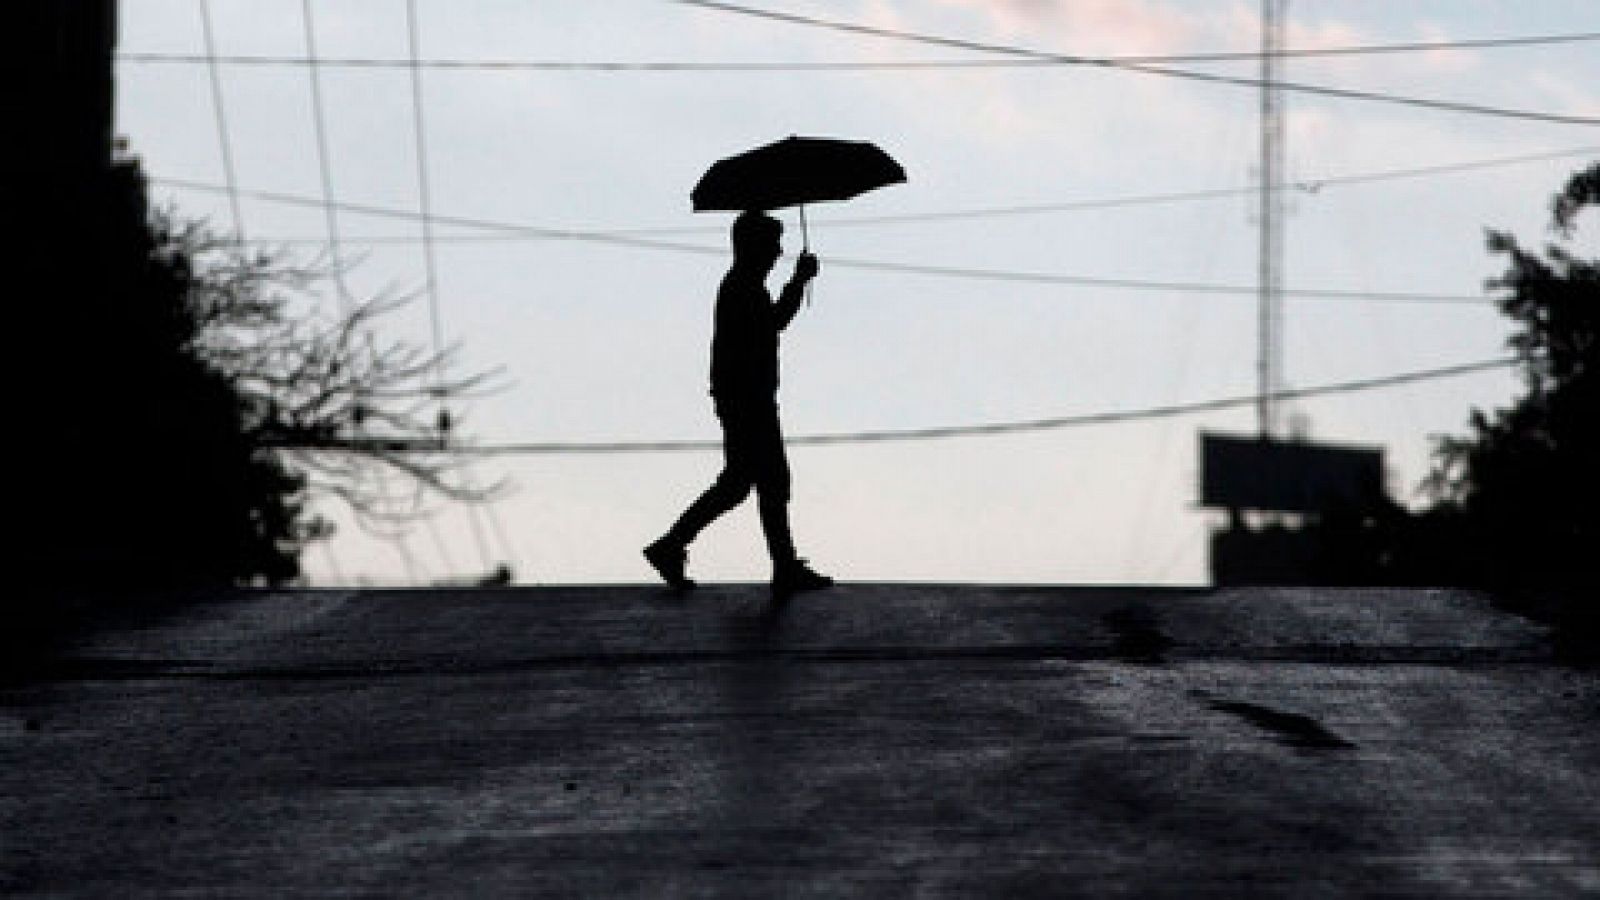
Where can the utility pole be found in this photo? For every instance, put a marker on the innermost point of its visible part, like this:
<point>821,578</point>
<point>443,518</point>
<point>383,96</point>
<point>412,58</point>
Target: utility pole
<point>1269,376</point>
<point>1286,482</point>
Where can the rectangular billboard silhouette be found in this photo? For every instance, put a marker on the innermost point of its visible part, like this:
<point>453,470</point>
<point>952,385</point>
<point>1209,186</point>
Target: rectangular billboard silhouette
<point>1238,472</point>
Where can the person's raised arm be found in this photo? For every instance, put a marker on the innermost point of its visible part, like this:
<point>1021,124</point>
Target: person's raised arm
<point>789,298</point>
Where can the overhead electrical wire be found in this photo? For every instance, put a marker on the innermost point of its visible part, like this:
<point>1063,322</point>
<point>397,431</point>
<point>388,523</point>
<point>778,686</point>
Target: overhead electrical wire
<point>479,538</point>
<point>516,65</point>
<point>1048,278</point>
<point>1188,287</point>
<point>445,556</point>
<point>1304,185</point>
<point>402,548</point>
<point>331,559</point>
<point>1024,58</point>
<point>330,208</point>
<point>1113,63</point>
<point>498,527</point>
<point>324,163</point>
<point>424,193</point>
<point>223,139</point>
<point>427,219</point>
<point>430,258</point>
<point>991,429</point>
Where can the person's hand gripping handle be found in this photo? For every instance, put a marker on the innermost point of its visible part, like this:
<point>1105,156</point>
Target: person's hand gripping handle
<point>805,269</point>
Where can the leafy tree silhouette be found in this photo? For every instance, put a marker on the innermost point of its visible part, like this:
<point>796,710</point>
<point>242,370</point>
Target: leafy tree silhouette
<point>1520,495</point>
<point>188,406</point>
<point>1514,504</point>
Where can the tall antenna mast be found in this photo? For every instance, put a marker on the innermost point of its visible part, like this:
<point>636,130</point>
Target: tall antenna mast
<point>1269,374</point>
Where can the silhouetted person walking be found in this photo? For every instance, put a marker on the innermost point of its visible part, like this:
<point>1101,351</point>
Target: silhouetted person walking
<point>744,388</point>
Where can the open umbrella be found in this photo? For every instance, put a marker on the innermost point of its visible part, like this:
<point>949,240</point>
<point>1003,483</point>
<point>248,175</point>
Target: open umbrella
<point>793,172</point>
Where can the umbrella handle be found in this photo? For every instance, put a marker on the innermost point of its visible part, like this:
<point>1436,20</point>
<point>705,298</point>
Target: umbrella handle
<point>805,246</point>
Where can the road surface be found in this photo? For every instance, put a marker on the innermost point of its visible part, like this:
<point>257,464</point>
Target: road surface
<point>870,741</point>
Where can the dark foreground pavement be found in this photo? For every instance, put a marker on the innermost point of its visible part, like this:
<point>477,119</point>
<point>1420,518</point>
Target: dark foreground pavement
<point>872,741</point>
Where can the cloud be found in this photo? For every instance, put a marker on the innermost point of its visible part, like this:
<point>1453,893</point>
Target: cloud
<point>1449,61</point>
<point>1107,27</point>
<point>1565,95</point>
<point>1239,28</point>
<point>1047,111</point>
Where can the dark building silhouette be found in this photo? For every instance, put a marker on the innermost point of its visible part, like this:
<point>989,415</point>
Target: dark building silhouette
<point>1296,510</point>
<point>65,120</point>
<point>58,164</point>
<point>78,207</point>
<point>59,142</point>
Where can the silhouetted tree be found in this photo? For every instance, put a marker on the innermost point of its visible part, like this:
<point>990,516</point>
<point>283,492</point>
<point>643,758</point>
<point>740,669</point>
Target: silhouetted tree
<point>190,402</point>
<point>1517,501</point>
<point>338,406</point>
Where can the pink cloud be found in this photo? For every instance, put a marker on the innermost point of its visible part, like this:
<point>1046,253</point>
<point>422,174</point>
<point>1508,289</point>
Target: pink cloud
<point>1449,61</point>
<point>1567,96</point>
<point>1107,27</point>
<point>1240,29</point>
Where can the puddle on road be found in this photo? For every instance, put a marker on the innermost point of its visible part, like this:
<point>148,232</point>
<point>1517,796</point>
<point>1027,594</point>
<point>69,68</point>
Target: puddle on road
<point>1293,729</point>
<point>1136,635</point>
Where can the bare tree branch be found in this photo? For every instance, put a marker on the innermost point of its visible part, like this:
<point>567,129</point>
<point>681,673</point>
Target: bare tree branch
<point>331,397</point>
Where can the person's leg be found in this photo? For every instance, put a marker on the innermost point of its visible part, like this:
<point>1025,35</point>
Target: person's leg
<point>669,552</point>
<point>770,465</point>
<point>728,491</point>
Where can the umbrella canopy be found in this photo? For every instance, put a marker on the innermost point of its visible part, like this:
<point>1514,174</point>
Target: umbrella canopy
<point>795,170</point>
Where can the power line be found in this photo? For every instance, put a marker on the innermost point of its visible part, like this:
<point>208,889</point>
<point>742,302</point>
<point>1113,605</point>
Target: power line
<point>330,209</point>
<point>402,548</point>
<point>1043,278</point>
<point>516,65</point>
<point>479,539</point>
<point>944,432</point>
<point>419,128</point>
<point>332,560</point>
<point>324,164</point>
<point>430,259</point>
<point>222,120</point>
<point>385,212</point>
<point>1189,287</point>
<point>425,193</point>
<point>438,543</point>
<point>1304,185</point>
<point>1108,62</point>
<point>499,530</point>
<point>1314,185</point>
<point>1311,185</point>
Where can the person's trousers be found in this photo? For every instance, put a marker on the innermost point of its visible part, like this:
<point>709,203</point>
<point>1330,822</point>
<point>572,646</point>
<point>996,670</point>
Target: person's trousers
<point>752,447</point>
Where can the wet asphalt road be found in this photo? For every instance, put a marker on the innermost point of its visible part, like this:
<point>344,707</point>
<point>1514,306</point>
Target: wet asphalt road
<point>871,741</point>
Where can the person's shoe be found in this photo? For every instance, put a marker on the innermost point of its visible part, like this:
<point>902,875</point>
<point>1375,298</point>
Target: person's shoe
<point>668,559</point>
<point>794,577</point>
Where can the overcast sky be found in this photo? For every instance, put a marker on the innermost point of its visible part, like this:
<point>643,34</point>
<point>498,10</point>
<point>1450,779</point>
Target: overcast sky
<point>610,343</point>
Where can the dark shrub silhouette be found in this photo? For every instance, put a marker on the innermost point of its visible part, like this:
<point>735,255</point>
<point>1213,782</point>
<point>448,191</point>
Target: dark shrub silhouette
<point>190,404</point>
<point>1520,494</point>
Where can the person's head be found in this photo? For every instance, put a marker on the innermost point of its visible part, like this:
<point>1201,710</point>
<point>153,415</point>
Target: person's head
<point>757,239</point>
